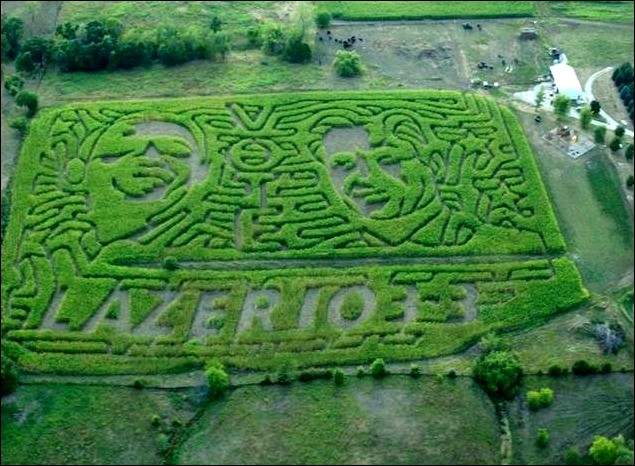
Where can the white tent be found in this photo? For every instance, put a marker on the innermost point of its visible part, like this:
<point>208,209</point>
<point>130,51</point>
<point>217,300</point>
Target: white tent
<point>566,81</point>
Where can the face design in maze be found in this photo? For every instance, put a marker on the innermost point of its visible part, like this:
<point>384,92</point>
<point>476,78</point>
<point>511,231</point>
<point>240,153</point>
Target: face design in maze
<point>384,184</point>
<point>139,169</point>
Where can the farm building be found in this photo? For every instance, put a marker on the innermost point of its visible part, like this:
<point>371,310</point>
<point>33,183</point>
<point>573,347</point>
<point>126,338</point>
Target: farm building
<point>566,81</point>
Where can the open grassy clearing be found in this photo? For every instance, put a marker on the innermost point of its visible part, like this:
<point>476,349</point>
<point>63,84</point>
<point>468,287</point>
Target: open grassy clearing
<point>361,11</point>
<point>621,12</point>
<point>582,408</point>
<point>90,425</point>
<point>398,420</point>
<point>341,212</point>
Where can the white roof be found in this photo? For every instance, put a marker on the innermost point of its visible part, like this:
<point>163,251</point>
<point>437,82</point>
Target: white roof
<point>566,80</point>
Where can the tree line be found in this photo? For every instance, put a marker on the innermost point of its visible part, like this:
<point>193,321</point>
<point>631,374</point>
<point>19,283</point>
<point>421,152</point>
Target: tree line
<point>623,79</point>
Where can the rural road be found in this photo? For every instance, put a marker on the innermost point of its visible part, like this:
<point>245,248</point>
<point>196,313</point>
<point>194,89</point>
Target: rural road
<point>588,90</point>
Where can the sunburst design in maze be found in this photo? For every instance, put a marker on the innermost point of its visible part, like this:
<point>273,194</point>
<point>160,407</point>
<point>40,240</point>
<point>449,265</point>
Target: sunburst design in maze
<point>279,209</point>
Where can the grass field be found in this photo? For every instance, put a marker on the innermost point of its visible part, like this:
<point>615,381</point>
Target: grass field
<point>317,199</point>
<point>90,425</point>
<point>360,11</point>
<point>583,407</point>
<point>621,12</point>
<point>392,421</point>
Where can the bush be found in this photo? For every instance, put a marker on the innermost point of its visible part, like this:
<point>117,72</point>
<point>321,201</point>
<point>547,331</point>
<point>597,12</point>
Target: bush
<point>586,115</point>
<point>582,367</point>
<point>21,125</point>
<point>572,456</point>
<point>217,380</point>
<point>348,64</point>
<point>630,181</point>
<point>323,20</point>
<point>561,106</point>
<point>615,144</point>
<point>361,372</point>
<point>285,374</point>
<point>537,399</point>
<point>378,368</point>
<point>628,153</point>
<point>338,377</point>
<point>595,107</point>
<point>603,450</point>
<point>599,134</point>
<point>262,302</point>
<point>606,368</point>
<point>155,420</point>
<point>163,442</point>
<point>452,374</point>
<point>415,370</point>
<point>313,374</point>
<point>533,400</point>
<point>619,131</point>
<point>170,263</point>
<point>557,370</point>
<point>499,373</point>
<point>9,380</point>
<point>543,437</point>
<point>29,100</point>
<point>13,84</point>
<point>138,384</point>
<point>296,50</point>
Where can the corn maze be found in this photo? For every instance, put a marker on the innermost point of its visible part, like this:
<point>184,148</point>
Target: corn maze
<point>312,228</point>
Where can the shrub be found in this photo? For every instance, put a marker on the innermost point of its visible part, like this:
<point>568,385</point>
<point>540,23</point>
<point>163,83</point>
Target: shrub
<point>557,370</point>
<point>599,134</point>
<point>628,153</point>
<point>582,367</point>
<point>296,50</point>
<point>266,380</point>
<point>606,368</point>
<point>170,263</point>
<point>217,380</point>
<point>155,420</point>
<point>586,115</point>
<point>163,442</point>
<point>533,400</point>
<point>338,377</point>
<point>595,107</point>
<point>361,372</point>
<point>21,125</point>
<point>378,368</point>
<point>561,106</point>
<point>630,181</point>
<point>415,370</point>
<point>452,374</point>
<point>498,372</point>
<point>323,20</point>
<point>285,374</point>
<point>615,144</point>
<point>492,342</point>
<point>348,64</point>
<point>619,131</point>
<point>138,384</point>
<point>9,380</point>
<point>13,84</point>
<point>307,375</point>
<point>262,302</point>
<point>603,450</point>
<point>572,456</point>
<point>543,437</point>
<point>546,397</point>
<point>29,100</point>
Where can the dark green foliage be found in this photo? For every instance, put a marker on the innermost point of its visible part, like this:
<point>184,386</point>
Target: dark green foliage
<point>9,380</point>
<point>572,456</point>
<point>307,375</point>
<point>557,370</point>
<point>630,182</point>
<point>67,30</point>
<point>155,420</point>
<point>537,399</point>
<point>619,131</point>
<point>603,451</point>
<point>595,107</point>
<point>273,38</point>
<point>542,437</point>
<point>286,374</point>
<point>415,370</point>
<point>628,152</point>
<point>606,368</point>
<point>361,371</point>
<point>348,64</point>
<point>12,29</point>
<point>561,106</point>
<point>41,51</point>
<point>216,24</point>
<point>499,373</point>
<point>599,134</point>
<point>170,263</point>
<point>13,84</point>
<point>378,368</point>
<point>29,100</point>
<point>21,125</point>
<point>615,144</point>
<point>266,380</point>
<point>130,53</point>
<point>582,367</point>
<point>452,374</point>
<point>296,50</point>
<point>138,384</point>
<point>24,64</point>
<point>323,20</point>
<point>338,377</point>
<point>217,380</point>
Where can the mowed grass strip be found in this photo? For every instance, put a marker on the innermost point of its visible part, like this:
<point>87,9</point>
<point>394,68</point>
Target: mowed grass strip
<point>398,420</point>
<point>361,11</point>
<point>619,12</point>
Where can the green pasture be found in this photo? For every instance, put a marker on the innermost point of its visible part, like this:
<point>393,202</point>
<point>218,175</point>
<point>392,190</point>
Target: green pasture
<point>619,12</point>
<point>362,11</point>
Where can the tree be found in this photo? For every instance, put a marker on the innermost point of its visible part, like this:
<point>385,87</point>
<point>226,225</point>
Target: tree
<point>170,263</point>
<point>14,84</point>
<point>572,456</point>
<point>615,144</point>
<point>628,153</point>
<point>273,38</point>
<point>540,97</point>
<point>41,51</point>
<point>217,380</point>
<point>12,29</point>
<point>348,64</point>
<point>378,368</point>
<point>297,51</point>
<point>216,24</point>
<point>561,106</point>
<point>630,181</point>
<point>542,438</point>
<point>24,64</point>
<point>338,377</point>
<point>603,450</point>
<point>498,372</point>
<point>9,375</point>
<point>586,115</point>
<point>595,107</point>
<point>619,131</point>
<point>599,134</point>
<point>323,19</point>
<point>29,100</point>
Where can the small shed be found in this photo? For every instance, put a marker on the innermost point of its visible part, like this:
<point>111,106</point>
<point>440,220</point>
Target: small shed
<point>528,33</point>
<point>566,81</point>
